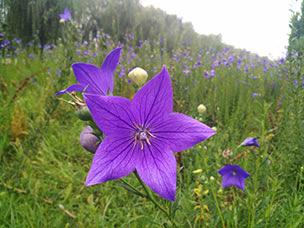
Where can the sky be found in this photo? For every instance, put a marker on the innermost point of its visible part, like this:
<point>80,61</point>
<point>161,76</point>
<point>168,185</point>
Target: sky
<point>259,26</point>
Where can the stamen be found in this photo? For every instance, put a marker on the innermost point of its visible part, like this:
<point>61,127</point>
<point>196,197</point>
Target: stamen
<point>147,139</point>
<point>151,134</point>
<point>141,135</point>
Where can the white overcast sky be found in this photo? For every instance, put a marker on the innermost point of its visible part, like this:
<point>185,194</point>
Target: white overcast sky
<point>259,26</point>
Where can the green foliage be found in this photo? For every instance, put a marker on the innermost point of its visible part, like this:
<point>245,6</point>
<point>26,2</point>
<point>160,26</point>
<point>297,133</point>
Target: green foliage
<point>296,38</point>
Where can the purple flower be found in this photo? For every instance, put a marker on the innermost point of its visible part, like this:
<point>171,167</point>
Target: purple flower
<point>66,15</point>
<point>142,135</point>
<point>254,95</point>
<point>93,79</point>
<point>251,141</point>
<point>233,175</point>
<point>88,140</point>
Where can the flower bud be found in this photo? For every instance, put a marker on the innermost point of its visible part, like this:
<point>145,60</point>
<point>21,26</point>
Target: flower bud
<point>84,114</point>
<point>61,21</point>
<point>138,76</point>
<point>212,178</point>
<point>201,109</point>
<point>214,128</point>
<point>88,140</point>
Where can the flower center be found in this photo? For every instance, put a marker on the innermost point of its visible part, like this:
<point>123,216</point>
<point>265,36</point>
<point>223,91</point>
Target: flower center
<point>142,135</point>
<point>234,172</point>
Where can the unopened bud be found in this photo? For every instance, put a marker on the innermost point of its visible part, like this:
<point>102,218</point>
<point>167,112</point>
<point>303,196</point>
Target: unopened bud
<point>214,128</point>
<point>88,140</point>
<point>212,178</point>
<point>201,109</point>
<point>84,114</point>
<point>138,76</point>
<point>61,21</point>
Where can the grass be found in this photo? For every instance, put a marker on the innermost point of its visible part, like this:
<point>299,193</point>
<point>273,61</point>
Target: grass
<point>43,166</point>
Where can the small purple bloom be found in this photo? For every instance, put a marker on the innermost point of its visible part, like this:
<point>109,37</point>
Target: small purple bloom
<point>31,56</point>
<point>88,140</point>
<point>251,141</point>
<point>66,15</point>
<point>254,95</point>
<point>142,135</point>
<point>93,79</point>
<point>233,175</point>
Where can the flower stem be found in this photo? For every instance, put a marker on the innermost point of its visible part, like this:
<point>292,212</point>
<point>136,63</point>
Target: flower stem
<point>149,197</point>
<point>132,187</point>
<point>217,206</point>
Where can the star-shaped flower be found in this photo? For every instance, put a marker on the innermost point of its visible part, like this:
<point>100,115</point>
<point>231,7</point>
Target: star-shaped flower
<point>142,135</point>
<point>233,175</point>
<point>251,141</point>
<point>66,15</point>
<point>93,79</point>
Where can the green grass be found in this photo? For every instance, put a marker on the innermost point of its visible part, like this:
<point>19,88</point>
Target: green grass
<point>43,165</point>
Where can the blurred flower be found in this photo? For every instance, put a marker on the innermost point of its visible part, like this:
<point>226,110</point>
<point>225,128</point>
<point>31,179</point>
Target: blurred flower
<point>233,175</point>
<point>251,141</point>
<point>93,79</point>
<point>227,153</point>
<point>65,16</point>
<point>197,171</point>
<point>254,95</point>
<point>201,109</point>
<point>88,140</point>
<point>31,56</point>
<point>142,135</point>
<point>138,76</point>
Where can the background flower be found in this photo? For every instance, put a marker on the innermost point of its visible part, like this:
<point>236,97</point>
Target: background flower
<point>94,80</point>
<point>233,175</point>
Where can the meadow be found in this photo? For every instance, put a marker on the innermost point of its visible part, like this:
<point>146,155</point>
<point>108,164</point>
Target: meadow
<point>43,166</point>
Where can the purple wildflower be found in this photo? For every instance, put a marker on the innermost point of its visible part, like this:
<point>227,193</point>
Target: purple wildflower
<point>142,135</point>
<point>66,15</point>
<point>251,141</point>
<point>254,95</point>
<point>88,140</point>
<point>233,175</point>
<point>93,79</point>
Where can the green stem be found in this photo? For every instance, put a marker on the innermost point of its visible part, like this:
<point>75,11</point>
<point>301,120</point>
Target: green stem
<point>149,197</point>
<point>132,187</point>
<point>217,206</point>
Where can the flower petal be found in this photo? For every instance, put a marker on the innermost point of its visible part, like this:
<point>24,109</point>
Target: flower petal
<point>90,77</point>
<point>156,166</point>
<point>230,179</point>
<point>111,114</point>
<point>108,67</point>
<point>71,88</point>
<point>154,99</point>
<point>181,132</point>
<point>112,160</point>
